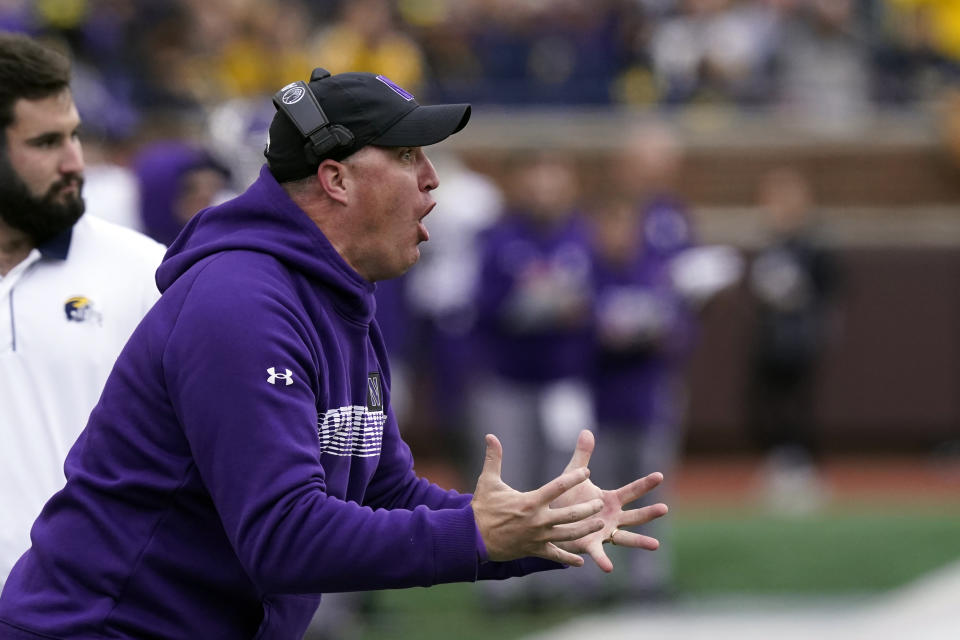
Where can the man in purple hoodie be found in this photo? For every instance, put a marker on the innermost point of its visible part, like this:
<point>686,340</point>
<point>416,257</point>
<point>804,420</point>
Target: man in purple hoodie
<point>244,458</point>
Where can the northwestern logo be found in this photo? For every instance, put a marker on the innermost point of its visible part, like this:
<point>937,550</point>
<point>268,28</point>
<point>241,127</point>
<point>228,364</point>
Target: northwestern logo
<point>80,309</point>
<point>374,393</point>
<point>274,376</point>
<point>293,94</point>
<point>397,89</point>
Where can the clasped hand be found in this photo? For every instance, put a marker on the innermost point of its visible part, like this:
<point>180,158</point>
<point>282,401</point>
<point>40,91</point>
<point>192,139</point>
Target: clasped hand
<point>567,516</point>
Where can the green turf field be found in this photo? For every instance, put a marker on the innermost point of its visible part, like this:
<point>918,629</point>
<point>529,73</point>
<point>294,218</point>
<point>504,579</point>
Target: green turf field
<point>850,551</point>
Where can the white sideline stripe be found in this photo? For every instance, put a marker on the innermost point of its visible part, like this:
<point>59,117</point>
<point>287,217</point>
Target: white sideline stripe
<point>926,609</point>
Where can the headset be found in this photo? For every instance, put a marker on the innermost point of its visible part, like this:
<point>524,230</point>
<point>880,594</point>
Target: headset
<point>309,118</point>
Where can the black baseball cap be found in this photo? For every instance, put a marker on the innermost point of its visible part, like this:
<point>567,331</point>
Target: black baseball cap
<point>372,108</point>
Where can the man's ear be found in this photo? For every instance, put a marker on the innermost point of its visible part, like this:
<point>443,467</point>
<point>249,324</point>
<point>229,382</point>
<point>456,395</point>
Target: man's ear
<point>332,179</point>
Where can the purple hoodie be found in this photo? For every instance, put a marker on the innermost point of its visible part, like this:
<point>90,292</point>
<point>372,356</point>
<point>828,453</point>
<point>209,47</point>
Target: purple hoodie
<point>527,339</point>
<point>243,458</point>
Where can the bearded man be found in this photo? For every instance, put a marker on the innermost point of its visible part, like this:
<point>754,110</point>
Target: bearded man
<point>72,287</point>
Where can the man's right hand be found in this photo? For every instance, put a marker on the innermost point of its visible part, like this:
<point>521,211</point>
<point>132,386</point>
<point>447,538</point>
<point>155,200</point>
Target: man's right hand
<point>514,524</point>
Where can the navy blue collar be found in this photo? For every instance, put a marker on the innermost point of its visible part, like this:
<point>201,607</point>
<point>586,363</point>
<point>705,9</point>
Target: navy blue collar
<point>58,246</point>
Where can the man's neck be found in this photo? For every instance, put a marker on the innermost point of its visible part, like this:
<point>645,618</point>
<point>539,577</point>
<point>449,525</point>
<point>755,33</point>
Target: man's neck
<point>15,246</point>
<point>324,214</point>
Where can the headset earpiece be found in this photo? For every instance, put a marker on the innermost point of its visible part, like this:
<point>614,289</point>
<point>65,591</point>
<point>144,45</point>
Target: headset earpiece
<point>299,103</point>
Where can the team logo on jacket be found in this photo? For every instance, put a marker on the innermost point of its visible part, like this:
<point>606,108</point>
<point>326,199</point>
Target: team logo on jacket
<point>351,431</point>
<point>374,392</point>
<point>285,378</point>
<point>81,309</point>
<point>355,431</point>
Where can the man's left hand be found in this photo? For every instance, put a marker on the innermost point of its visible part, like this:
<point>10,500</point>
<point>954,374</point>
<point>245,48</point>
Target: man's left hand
<point>613,514</point>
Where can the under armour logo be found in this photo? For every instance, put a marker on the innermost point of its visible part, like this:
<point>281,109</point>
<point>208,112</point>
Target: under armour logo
<point>274,376</point>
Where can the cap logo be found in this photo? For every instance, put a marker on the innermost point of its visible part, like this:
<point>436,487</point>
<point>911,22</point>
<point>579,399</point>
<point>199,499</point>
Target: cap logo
<point>292,95</point>
<point>397,89</point>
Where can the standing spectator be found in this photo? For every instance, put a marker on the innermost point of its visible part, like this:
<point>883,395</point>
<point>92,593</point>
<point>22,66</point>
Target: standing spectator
<point>645,320</point>
<point>654,280</point>
<point>642,338</point>
<point>792,280</point>
<point>533,302</point>
<point>72,287</point>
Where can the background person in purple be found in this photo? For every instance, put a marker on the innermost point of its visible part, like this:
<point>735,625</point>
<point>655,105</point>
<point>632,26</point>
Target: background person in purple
<point>650,280</point>
<point>533,328</point>
<point>642,339</point>
<point>176,180</point>
<point>244,457</point>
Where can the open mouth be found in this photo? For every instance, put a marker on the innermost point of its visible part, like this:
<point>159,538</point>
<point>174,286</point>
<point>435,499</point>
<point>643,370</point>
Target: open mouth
<point>422,231</point>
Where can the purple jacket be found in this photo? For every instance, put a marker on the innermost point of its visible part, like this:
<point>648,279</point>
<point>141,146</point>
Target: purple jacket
<point>533,299</point>
<point>634,376</point>
<point>243,458</point>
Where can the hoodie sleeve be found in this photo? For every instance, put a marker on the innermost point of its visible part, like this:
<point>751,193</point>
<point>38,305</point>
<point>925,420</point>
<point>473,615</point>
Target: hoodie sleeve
<point>255,447</point>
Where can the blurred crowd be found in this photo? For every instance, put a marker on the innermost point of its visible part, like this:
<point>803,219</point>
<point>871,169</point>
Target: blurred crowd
<point>166,77</point>
<point>143,56</point>
<point>161,72</point>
